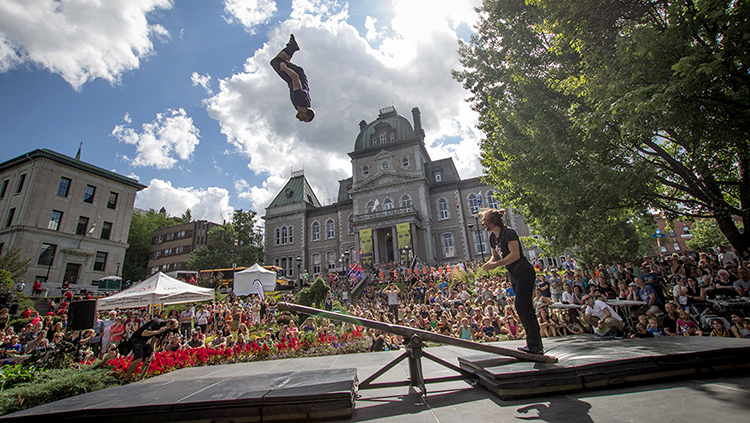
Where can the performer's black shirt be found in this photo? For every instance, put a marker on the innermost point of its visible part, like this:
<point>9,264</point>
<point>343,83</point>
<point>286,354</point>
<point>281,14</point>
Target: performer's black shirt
<point>500,245</point>
<point>154,324</point>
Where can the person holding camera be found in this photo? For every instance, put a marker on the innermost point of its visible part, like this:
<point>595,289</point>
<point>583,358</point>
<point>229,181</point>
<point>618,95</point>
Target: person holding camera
<point>144,341</point>
<point>392,292</point>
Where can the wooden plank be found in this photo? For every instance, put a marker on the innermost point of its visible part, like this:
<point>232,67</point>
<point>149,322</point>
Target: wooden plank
<point>425,335</point>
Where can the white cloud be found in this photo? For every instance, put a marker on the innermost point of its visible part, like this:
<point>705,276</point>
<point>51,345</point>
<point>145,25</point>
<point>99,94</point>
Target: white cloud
<point>249,13</point>
<point>372,32</point>
<point>80,40</point>
<point>349,81</point>
<point>202,80</point>
<point>210,203</point>
<point>162,142</point>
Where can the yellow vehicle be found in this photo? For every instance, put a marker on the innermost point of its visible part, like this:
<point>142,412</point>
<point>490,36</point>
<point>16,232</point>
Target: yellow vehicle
<point>224,278</point>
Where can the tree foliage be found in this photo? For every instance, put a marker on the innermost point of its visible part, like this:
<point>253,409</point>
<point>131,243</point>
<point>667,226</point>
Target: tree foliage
<point>597,110</point>
<point>12,262</point>
<point>235,242</point>
<point>706,234</point>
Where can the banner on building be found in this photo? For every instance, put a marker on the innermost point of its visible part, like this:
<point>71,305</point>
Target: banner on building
<point>404,235</point>
<point>365,246</point>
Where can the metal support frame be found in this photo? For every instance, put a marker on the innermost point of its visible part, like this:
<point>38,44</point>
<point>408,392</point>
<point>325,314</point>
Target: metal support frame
<point>414,353</point>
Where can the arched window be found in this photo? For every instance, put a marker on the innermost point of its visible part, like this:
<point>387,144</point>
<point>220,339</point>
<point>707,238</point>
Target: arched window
<point>382,137</point>
<point>365,170</point>
<point>473,206</point>
<point>405,201</point>
<point>351,224</point>
<point>316,264</point>
<point>387,204</point>
<point>291,234</point>
<point>284,235</point>
<point>442,205</point>
<point>448,249</point>
<point>393,136</point>
<point>315,235</point>
<point>492,201</point>
<point>330,229</point>
<point>331,260</point>
<point>405,162</point>
<point>277,235</point>
<point>370,205</point>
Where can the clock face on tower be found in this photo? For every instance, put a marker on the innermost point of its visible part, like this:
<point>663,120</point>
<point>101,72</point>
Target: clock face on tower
<point>288,193</point>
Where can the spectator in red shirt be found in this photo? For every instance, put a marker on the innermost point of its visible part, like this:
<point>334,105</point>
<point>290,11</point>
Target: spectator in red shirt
<point>26,313</point>
<point>36,289</point>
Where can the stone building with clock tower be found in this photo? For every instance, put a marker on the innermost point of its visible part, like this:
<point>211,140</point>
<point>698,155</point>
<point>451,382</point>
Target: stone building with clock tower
<point>399,204</point>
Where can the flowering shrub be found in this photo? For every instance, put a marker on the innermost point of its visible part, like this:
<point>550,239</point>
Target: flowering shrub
<point>309,345</point>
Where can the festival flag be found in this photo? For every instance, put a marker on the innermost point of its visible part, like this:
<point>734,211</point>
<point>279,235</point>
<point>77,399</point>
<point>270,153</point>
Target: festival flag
<point>479,199</point>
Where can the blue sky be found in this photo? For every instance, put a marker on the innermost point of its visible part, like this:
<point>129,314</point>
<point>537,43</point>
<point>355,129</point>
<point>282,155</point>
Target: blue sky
<point>179,94</point>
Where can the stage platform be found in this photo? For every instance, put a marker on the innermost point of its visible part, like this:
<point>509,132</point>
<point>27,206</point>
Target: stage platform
<point>587,363</point>
<point>323,388</point>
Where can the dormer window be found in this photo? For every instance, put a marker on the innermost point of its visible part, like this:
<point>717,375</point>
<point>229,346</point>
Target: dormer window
<point>382,137</point>
<point>393,137</point>
<point>385,165</point>
<point>404,162</point>
<point>365,170</point>
<point>438,176</point>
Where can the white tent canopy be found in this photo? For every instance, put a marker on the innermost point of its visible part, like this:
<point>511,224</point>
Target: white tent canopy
<point>244,281</point>
<point>158,289</point>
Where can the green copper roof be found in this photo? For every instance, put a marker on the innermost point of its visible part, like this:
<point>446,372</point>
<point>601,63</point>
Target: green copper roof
<point>296,190</point>
<point>390,117</point>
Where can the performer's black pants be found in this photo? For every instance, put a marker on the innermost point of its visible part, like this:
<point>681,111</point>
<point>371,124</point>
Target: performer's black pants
<point>522,280</point>
<point>276,65</point>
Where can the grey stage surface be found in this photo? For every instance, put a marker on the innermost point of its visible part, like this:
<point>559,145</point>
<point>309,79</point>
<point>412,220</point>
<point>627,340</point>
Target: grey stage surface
<point>704,398</point>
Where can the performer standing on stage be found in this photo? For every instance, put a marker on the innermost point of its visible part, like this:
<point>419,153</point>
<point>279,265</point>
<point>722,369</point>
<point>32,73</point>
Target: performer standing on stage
<point>295,78</point>
<point>507,251</point>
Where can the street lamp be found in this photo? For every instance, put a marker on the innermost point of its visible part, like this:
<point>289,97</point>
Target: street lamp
<point>299,276</point>
<point>117,272</point>
<point>481,243</point>
<point>234,263</point>
<point>471,231</point>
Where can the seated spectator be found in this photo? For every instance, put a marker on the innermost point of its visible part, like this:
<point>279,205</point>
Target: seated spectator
<point>696,297</point>
<point>464,331</point>
<point>487,331</point>
<point>653,327</point>
<point>111,353</point>
<point>679,292</point>
<point>641,331</point>
<point>601,316</point>
<point>13,347</point>
<point>195,341</point>
<point>669,322</point>
<point>515,331</point>
<point>723,286</point>
<point>577,294</point>
<point>567,295</point>
<point>540,300</point>
<point>742,283</point>
<point>546,327</point>
<point>444,327</point>
<point>647,294</point>
<point>571,327</point>
<point>718,329</point>
<point>686,326</point>
<point>173,343</point>
<point>738,326</point>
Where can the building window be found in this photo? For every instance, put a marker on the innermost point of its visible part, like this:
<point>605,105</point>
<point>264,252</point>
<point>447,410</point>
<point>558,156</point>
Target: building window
<point>405,201</point>
<point>9,220</point>
<point>676,246</point>
<point>47,254</point>
<point>671,233</point>
<point>4,188</point>
<point>491,201</point>
<point>64,187</point>
<point>100,262</point>
<point>448,248</point>
<point>388,204</point>
<point>330,229</point>
<point>88,197</point>
<point>21,180</point>
<point>685,230</point>
<point>369,207</point>
<point>54,220</point>
<point>442,205</point>
<point>291,234</point>
<point>83,224</point>
<point>351,224</point>
<point>385,165</point>
<point>438,176</point>
<point>392,136</point>
<point>284,235</point>
<point>404,162</point>
<point>365,170</point>
<point>473,205</point>
<point>106,230</point>
<point>480,246</point>
<point>663,248</point>
<point>382,137</point>
<point>315,231</point>
<point>112,201</point>
<point>278,236</point>
<point>316,264</point>
<point>330,260</point>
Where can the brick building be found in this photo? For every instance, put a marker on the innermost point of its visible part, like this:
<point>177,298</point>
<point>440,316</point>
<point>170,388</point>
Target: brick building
<point>171,246</point>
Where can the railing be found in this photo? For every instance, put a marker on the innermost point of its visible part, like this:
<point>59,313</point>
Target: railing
<point>382,214</point>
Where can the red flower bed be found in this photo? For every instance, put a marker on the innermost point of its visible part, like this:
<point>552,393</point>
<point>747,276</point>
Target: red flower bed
<point>309,345</point>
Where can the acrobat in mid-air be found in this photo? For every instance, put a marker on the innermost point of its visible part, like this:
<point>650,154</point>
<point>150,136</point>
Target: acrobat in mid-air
<point>299,90</point>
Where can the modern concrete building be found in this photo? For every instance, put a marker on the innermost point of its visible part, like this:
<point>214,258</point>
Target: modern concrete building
<point>398,204</point>
<point>171,246</point>
<point>69,217</point>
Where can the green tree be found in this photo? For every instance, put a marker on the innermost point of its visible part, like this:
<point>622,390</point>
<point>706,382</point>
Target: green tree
<point>187,217</point>
<point>142,226</point>
<point>12,262</point>
<point>234,242</point>
<point>706,234</point>
<point>597,110</point>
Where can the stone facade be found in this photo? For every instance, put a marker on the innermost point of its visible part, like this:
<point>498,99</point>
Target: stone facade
<point>394,181</point>
<point>69,217</point>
